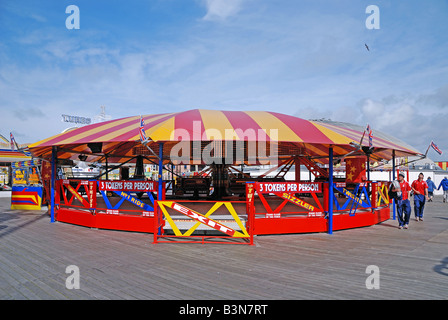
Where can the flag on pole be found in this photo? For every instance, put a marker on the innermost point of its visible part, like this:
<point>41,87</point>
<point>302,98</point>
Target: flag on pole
<point>370,132</point>
<point>436,148</point>
<point>12,141</point>
<point>142,132</point>
<point>143,138</point>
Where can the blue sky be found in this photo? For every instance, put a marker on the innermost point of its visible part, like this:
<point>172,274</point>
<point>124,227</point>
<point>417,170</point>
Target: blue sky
<point>304,58</point>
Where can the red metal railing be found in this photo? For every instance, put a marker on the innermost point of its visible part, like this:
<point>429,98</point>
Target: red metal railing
<point>302,198</point>
<point>88,203</point>
<point>297,207</point>
<point>269,208</point>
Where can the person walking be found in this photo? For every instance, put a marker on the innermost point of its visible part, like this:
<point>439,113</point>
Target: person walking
<point>431,188</point>
<point>420,189</point>
<point>444,185</point>
<point>402,201</point>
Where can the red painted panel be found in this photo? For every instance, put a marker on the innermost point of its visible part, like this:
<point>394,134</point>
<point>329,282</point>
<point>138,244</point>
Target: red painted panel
<point>126,223</point>
<point>360,219</point>
<point>289,225</point>
<point>264,226</point>
<point>383,215</point>
<point>106,221</point>
<point>78,217</point>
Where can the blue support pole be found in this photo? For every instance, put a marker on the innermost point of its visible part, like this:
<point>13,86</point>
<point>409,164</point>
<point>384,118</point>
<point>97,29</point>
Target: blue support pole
<point>331,191</point>
<point>394,217</point>
<point>160,189</point>
<point>54,156</point>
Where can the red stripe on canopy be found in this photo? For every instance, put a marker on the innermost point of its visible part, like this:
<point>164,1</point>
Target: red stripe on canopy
<point>242,121</point>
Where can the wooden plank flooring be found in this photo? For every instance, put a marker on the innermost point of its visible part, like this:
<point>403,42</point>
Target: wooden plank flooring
<point>34,254</point>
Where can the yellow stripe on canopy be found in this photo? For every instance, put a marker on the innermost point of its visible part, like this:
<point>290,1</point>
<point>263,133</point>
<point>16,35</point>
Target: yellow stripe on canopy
<point>94,130</point>
<point>132,126</point>
<point>216,124</point>
<point>162,131</point>
<point>332,135</point>
<point>270,123</point>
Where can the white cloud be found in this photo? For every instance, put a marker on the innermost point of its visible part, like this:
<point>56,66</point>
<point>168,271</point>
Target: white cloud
<point>416,119</point>
<point>439,98</point>
<point>38,17</point>
<point>385,115</point>
<point>221,9</point>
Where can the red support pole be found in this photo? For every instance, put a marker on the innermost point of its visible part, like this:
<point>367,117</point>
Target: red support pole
<point>57,193</point>
<point>54,159</point>
<point>326,196</point>
<point>297,168</point>
<point>156,221</point>
<point>250,209</point>
<point>373,197</point>
<point>252,224</point>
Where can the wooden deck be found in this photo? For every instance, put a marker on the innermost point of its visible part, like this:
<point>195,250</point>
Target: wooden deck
<point>34,254</point>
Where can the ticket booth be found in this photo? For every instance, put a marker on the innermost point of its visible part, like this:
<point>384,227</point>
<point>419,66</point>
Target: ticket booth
<point>26,185</point>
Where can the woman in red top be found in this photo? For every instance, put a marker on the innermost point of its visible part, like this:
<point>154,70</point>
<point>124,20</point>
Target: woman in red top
<point>420,188</point>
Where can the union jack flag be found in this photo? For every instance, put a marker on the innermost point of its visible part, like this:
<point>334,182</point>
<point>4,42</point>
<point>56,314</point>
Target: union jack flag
<point>436,148</point>
<point>370,132</point>
<point>141,131</point>
<point>12,141</point>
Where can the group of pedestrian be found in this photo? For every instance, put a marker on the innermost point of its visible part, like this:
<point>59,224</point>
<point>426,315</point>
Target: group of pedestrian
<point>421,190</point>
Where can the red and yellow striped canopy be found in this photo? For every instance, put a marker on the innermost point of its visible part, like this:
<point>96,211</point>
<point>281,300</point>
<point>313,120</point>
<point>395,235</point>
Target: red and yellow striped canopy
<point>383,144</point>
<point>295,136</point>
<point>12,156</point>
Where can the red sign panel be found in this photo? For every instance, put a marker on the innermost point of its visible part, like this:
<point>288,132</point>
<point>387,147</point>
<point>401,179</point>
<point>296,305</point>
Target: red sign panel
<point>91,194</point>
<point>139,186</point>
<point>291,187</point>
<point>250,194</point>
<point>355,169</point>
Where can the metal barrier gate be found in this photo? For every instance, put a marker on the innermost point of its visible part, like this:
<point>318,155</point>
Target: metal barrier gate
<point>221,223</point>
